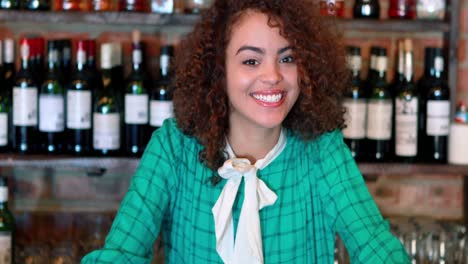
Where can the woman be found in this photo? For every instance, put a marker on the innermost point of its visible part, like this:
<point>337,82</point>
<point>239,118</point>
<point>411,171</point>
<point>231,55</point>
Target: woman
<point>253,168</point>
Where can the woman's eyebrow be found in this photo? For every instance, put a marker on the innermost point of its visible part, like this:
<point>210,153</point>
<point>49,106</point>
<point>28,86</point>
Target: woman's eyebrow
<point>252,48</point>
<point>260,50</point>
<point>282,50</point>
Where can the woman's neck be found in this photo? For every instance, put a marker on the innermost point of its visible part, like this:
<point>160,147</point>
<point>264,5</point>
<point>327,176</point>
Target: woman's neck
<point>253,143</point>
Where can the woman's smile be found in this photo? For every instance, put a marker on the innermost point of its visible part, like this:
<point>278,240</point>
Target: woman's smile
<point>269,98</point>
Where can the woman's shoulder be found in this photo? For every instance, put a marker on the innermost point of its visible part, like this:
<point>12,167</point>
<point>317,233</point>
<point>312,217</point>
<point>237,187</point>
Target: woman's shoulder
<point>169,138</point>
<point>318,145</point>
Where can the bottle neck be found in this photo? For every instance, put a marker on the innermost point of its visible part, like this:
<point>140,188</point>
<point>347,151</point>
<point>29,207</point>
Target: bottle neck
<point>3,197</point>
<point>438,67</point>
<point>80,60</point>
<point>91,63</point>
<point>381,67</point>
<point>164,62</point>
<point>408,67</point>
<point>137,58</point>
<point>25,64</point>
<point>53,63</point>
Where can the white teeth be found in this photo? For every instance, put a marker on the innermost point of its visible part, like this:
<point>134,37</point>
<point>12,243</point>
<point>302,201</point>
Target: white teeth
<point>269,98</point>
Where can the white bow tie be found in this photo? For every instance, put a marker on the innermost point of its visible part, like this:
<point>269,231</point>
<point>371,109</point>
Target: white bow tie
<point>247,248</point>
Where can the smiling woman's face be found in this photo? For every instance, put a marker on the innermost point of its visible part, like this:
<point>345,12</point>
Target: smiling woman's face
<point>262,82</point>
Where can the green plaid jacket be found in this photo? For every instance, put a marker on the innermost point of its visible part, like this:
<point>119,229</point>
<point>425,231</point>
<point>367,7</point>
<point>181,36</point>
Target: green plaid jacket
<point>320,192</point>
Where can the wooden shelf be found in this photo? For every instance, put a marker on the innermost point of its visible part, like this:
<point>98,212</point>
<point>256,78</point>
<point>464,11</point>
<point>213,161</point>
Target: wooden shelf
<point>123,18</point>
<point>409,169</point>
<point>107,18</point>
<point>395,25</point>
<point>54,206</point>
<point>93,166</point>
<point>98,166</point>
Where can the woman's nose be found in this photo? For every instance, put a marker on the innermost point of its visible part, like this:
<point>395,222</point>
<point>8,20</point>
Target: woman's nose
<point>271,73</point>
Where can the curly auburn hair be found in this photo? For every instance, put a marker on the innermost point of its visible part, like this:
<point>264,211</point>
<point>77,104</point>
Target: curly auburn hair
<point>200,99</point>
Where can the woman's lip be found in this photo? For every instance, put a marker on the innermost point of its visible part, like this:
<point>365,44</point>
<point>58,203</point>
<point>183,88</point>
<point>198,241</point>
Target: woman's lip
<point>269,92</point>
<point>270,104</point>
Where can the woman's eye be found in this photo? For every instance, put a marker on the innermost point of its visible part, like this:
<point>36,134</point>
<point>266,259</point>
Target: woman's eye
<point>288,59</point>
<point>250,62</point>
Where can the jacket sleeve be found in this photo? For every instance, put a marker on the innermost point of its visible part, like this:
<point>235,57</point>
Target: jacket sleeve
<point>352,210</point>
<point>138,220</point>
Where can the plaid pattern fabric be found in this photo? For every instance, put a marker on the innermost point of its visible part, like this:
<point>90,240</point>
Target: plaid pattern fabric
<point>320,193</point>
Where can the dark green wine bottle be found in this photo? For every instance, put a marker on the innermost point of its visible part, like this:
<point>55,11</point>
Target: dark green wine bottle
<point>4,116</point>
<point>52,103</point>
<point>25,97</point>
<point>366,9</point>
<point>355,103</point>
<point>8,69</point>
<point>106,111</point>
<point>435,109</point>
<point>9,4</point>
<point>161,106</point>
<point>379,113</point>
<point>136,117</point>
<point>407,110</point>
<point>79,105</point>
<point>7,226</point>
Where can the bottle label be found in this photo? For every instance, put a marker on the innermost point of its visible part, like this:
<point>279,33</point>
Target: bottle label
<point>25,106</point>
<point>51,113</point>
<point>5,247</point>
<point>160,111</point>
<point>137,56</point>
<point>406,127</point>
<point>438,118</point>
<point>136,109</point>
<point>80,56</point>
<point>3,129</point>
<point>3,195</point>
<point>106,132</point>
<point>355,119</point>
<point>379,119</point>
<point>381,63</point>
<point>439,63</point>
<point>79,109</point>
<point>354,62</point>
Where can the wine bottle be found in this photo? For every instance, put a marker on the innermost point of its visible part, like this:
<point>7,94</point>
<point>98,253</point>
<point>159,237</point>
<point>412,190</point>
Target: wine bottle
<point>407,111</point>
<point>25,104</point>
<point>32,5</point>
<point>106,110</point>
<point>8,69</point>
<point>7,77</point>
<point>197,6</point>
<point>436,106</point>
<point>65,49</point>
<point>136,102</point>
<point>402,9</point>
<point>332,8</point>
<point>379,113</point>
<point>37,58</point>
<point>9,4</point>
<point>7,226</point>
<point>1,57</point>
<point>91,68</point>
<point>355,103</point>
<point>52,103</point>
<point>133,5</point>
<point>366,9</point>
<point>4,108</point>
<point>372,72</point>
<point>399,77</point>
<point>161,106</point>
<point>79,105</point>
